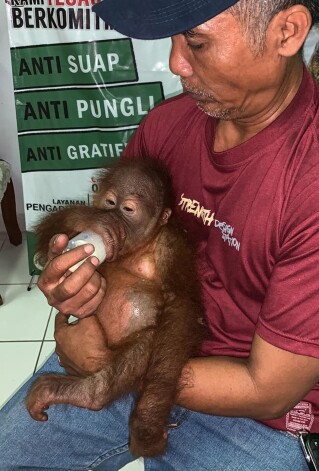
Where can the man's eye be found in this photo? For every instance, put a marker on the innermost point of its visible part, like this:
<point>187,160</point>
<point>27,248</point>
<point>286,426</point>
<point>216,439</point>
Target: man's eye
<point>193,39</point>
<point>194,45</point>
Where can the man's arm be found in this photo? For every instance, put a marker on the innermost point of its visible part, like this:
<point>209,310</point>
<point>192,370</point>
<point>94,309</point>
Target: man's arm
<point>265,386</point>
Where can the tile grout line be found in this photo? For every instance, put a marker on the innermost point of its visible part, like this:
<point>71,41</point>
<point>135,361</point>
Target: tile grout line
<point>18,284</point>
<point>42,341</point>
<point>21,341</point>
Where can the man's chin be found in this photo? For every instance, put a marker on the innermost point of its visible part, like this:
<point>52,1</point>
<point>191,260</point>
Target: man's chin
<point>207,105</point>
<point>217,112</point>
<point>208,108</point>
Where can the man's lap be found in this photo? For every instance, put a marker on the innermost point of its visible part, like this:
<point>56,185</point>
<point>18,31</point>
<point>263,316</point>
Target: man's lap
<point>72,438</point>
<point>206,442</point>
<point>78,439</point>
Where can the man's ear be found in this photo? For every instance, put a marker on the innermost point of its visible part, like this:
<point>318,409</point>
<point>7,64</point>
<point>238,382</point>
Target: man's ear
<point>293,26</point>
<point>165,216</point>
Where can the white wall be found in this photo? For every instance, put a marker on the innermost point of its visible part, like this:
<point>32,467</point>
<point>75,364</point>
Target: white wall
<point>9,149</point>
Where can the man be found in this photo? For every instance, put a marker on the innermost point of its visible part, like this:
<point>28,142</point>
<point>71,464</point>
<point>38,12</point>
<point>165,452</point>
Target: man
<point>243,147</point>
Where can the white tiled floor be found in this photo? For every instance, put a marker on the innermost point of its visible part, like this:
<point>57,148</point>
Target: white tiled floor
<point>26,324</point>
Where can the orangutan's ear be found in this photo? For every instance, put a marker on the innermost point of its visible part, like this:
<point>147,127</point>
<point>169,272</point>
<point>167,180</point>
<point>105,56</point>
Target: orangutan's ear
<point>166,215</point>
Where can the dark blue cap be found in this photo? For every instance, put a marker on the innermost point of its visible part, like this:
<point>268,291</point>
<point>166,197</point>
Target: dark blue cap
<point>155,19</point>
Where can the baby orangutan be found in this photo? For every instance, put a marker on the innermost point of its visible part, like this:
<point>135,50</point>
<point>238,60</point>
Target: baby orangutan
<point>150,321</point>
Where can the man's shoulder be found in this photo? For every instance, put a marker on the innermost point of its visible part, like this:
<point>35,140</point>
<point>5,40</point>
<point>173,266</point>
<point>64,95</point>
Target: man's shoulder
<point>174,107</point>
<point>174,116</point>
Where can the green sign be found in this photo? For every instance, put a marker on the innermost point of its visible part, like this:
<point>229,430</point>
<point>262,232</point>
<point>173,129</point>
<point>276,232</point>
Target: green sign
<point>80,108</point>
<point>71,150</point>
<point>84,63</point>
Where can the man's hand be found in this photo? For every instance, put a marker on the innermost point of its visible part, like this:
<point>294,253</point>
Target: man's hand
<point>81,345</point>
<point>78,293</point>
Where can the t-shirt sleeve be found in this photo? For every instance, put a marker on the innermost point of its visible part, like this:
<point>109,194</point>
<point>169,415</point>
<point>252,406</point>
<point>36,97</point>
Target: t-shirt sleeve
<point>159,130</point>
<point>136,146</point>
<point>289,318</point>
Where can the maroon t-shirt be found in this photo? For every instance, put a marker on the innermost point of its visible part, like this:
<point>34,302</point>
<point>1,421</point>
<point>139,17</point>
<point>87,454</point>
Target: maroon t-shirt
<point>253,212</point>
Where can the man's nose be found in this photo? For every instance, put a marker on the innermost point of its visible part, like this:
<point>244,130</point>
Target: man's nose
<point>178,62</point>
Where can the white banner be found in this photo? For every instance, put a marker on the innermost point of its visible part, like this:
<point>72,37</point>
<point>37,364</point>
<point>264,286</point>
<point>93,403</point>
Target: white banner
<point>81,89</point>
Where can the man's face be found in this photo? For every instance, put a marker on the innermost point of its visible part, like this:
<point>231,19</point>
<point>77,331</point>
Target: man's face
<point>220,71</point>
